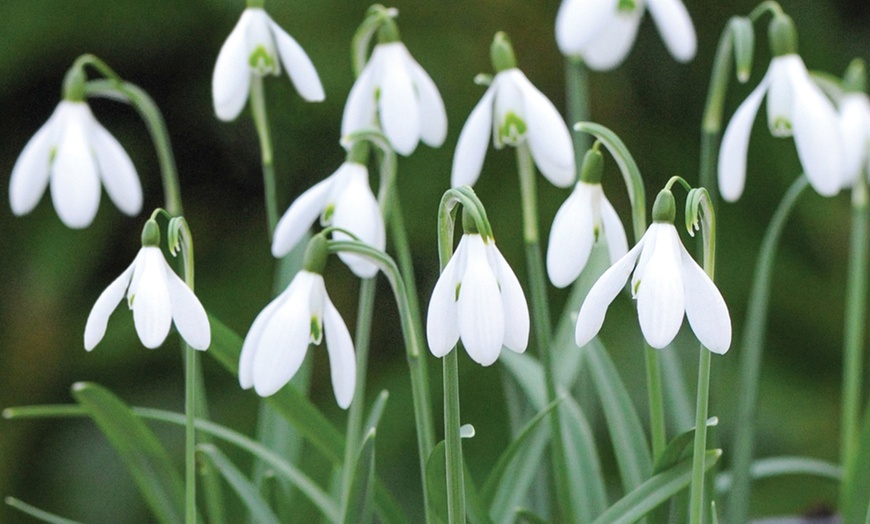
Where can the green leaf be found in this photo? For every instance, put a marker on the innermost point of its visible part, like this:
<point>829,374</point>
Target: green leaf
<point>585,477</point>
<point>246,491</point>
<point>654,491</point>
<point>513,489</point>
<point>436,471</point>
<point>375,414</point>
<point>37,513</point>
<point>357,507</point>
<point>528,374</point>
<point>146,459</point>
<point>778,466</point>
<point>524,515</point>
<point>673,453</point>
<point>623,422</point>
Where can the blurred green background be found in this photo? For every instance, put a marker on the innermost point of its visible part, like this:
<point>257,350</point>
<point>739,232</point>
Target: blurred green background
<point>53,275</point>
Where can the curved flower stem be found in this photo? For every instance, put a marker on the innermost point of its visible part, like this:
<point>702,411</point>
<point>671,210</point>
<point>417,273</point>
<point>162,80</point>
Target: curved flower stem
<point>261,120</point>
<point>542,323</point>
<point>750,364</point>
<point>856,307</point>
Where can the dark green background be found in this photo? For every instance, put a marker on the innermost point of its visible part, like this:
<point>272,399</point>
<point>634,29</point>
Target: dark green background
<point>51,275</point>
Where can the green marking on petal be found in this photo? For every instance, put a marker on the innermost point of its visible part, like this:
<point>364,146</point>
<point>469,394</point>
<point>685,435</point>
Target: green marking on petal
<point>635,288</point>
<point>596,231</point>
<point>51,154</point>
<point>316,330</point>
<point>512,129</point>
<point>458,286</point>
<point>781,127</point>
<point>262,62</point>
<point>328,211</point>
<point>627,5</point>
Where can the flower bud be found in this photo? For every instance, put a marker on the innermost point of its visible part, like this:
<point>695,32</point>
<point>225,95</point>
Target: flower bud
<point>151,234</point>
<point>315,255</point>
<point>782,35</point>
<point>502,53</point>
<point>664,208</point>
<point>593,166</point>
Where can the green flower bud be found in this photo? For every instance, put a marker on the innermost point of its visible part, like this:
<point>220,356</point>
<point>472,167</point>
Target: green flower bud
<point>502,53</point>
<point>782,35</point>
<point>315,255</point>
<point>665,207</point>
<point>593,166</point>
<point>151,234</point>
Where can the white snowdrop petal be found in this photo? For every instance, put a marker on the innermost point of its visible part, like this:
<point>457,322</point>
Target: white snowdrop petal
<point>299,67</point>
<point>31,171</point>
<point>252,340</point>
<point>854,119</point>
<point>152,310</point>
<point>283,344</point>
<point>660,292</point>
<point>301,214</point>
<point>442,327</point>
<point>359,110</point>
<point>433,117</point>
<point>609,284</point>
<point>189,316</point>
<point>108,300</point>
<point>607,50</point>
<point>400,114</point>
<point>578,22</point>
<point>549,138</point>
<point>516,309</point>
<point>116,171</point>
<point>735,144</point>
<point>342,361</point>
<point>614,231</point>
<point>675,25</point>
<point>480,310</point>
<point>358,211</point>
<point>75,184</point>
<point>571,237</point>
<point>705,307</point>
<point>231,80</point>
<point>473,141</point>
<point>780,95</point>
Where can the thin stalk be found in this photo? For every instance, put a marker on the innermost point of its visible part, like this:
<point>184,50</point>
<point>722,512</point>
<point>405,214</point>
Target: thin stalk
<point>696,501</point>
<point>453,441</point>
<point>577,97</point>
<point>752,348</point>
<point>191,383</point>
<point>261,120</point>
<point>542,324</point>
<point>856,308</point>
<point>655,392</point>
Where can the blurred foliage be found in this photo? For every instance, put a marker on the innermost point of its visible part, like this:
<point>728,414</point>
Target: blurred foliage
<point>53,275</point>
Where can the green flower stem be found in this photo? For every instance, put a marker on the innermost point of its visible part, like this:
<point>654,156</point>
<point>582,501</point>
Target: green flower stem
<point>542,324</point>
<point>577,95</point>
<point>750,364</point>
<point>856,308</point>
<point>261,120</point>
<point>655,392</point>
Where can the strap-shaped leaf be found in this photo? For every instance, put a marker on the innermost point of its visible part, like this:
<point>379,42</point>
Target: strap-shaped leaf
<point>39,514</point>
<point>146,459</point>
<point>436,470</point>
<point>358,507</point>
<point>673,453</point>
<point>243,487</point>
<point>585,477</point>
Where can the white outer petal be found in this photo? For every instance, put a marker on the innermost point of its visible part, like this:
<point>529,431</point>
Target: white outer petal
<point>474,141</point>
<point>705,307</point>
<point>660,293</point>
<point>571,237</point>
<point>231,80</point>
<point>398,104</point>
<point>442,322</point>
<point>817,135</point>
<point>516,309</point>
<point>189,316</point>
<point>358,211</point>
<point>301,214</point>
<point>480,309</point>
<point>31,171</point>
<point>116,171</point>
<point>108,300</point>
<point>735,144</point>
<point>613,42</point>
<point>152,310</point>
<point>342,362</point>
<point>252,340</point>
<point>854,116</point>
<point>609,284</point>
<point>578,22</point>
<point>433,117</point>
<point>360,108</point>
<point>299,67</point>
<point>549,138</point>
<point>75,184</point>
<point>675,25</point>
<point>614,231</point>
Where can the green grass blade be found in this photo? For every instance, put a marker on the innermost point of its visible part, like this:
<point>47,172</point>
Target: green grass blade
<point>358,501</point>
<point>528,373</point>
<point>585,476</point>
<point>38,514</point>
<point>523,472</point>
<point>375,414</point>
<point>436,470</point>
<point>778,466</point>
<point>654,491</point>
<point>676,448</point>
<point>146,459</point>
<point>623,423</point>
<point>243,487</point>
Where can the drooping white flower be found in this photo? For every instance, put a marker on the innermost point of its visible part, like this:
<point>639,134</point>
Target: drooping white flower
<point>477,299</point>
<point>73,154</point>
<point>157,297</point>
<point>258,46</point>
<point>854,119</point>
<point>396,90</point>
<point>582,220</point>
<point>667,283</point>
<point>278,340</point>
<point>602,32</point>
<point>343,200</point>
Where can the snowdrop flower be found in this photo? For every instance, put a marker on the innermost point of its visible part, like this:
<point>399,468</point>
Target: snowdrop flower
<point>157,297</point>
<point>477,299</point>
<point>512,110</point>
<point>303,314</point>
<point>667,283</point>
<point>73,153</point>
<point>258,46</point>
<point>795,106</point>
<point>395,88</point>
<point>581,221</point>
<point>601,32</point>
<point>343,200</point>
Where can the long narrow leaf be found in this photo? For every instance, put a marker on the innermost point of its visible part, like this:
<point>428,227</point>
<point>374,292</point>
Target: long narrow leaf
<point>436,469</point>
<point>585,477</point>
<point>357,507</point>
<point>654,491</point>
<point>519,477</point>
<point>673,453</point>
<point>778,466</point>
<point>37,513</point>
<point>243,487</point>
<point>146,459</point>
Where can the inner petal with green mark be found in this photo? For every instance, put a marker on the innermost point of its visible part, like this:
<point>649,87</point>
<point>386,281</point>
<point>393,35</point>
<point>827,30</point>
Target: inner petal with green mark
<point>326,217</point>
<point>781,127</point>
<point>627,6</point>
<point>262,62</point>
<point>512,129</point>
<point>316,330</point>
